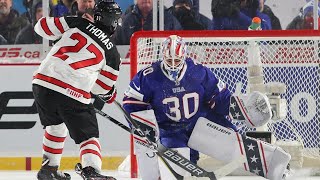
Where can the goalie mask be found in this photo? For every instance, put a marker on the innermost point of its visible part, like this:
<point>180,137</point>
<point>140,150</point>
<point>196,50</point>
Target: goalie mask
<point>107,14</point>
<point>174,54</point>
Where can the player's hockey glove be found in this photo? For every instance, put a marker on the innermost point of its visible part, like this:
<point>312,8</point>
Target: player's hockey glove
<point>110,96</point>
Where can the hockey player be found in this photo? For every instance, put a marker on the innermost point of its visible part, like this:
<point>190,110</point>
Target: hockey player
<point>177,97</point>
<point>84,60</point>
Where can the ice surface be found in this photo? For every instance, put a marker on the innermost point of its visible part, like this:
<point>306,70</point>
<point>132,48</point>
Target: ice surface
<point>31,175</point>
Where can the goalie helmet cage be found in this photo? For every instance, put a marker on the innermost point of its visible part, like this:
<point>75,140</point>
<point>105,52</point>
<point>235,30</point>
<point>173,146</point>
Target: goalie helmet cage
<point>289,57</point>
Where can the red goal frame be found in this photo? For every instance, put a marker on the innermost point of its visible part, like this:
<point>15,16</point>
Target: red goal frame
<point>225,33</point>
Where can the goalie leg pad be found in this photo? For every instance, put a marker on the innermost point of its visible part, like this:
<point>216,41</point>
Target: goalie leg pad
<point>278,164</point>
<point>147,160</point>
<point>207,136</point>
<point>148,165</point>
<point>226,145</point>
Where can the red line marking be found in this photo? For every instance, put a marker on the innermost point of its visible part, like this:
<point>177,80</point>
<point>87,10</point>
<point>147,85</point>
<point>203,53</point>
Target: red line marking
<point>28,163</point>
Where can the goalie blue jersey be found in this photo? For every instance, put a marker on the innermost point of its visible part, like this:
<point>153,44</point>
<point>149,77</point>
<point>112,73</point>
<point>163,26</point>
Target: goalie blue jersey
<point>178,105</point>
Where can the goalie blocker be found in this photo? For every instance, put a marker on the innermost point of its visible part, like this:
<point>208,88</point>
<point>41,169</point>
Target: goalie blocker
<point>261,158</point>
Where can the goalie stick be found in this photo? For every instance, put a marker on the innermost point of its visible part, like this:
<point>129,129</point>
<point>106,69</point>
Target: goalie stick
<point>171,155</point>
<point>178,176</point>
<point>174,156</point>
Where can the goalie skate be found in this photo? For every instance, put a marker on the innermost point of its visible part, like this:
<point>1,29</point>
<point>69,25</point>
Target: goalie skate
<point>89,173</point>
<point>288,173</point>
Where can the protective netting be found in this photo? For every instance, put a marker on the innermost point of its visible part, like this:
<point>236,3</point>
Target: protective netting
<point>293,61</point>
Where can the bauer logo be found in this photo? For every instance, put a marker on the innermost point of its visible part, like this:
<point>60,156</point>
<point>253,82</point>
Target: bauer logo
<point>182,162</point>
<point>220,129</point>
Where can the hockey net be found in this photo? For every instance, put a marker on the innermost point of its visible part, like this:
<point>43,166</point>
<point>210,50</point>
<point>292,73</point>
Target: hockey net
<point>289,57</point>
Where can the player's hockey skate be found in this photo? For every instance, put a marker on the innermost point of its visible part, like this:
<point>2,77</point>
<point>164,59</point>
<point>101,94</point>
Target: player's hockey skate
<point>51,172</point>
<point>89,173</point>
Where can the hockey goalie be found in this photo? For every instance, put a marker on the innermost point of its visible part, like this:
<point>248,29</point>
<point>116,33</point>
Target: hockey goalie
<point>184,106</point>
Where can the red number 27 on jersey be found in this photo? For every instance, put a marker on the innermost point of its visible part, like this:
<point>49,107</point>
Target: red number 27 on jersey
<point>82,41</point>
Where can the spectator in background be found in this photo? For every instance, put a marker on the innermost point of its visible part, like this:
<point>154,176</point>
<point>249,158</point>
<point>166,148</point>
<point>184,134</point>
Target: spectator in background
<point>140,18</point>
<point>29,4</point>
<point>3,41</point>
<point>10,21</point>
<point>80,7</point>
<point>275,22</point>
<point>62,8</point>
<point>297,22</point>
<point>27,35</point>
<point>188,17</point>
<point>251,9</point>
<point>304,20</point>
<point>237,14</point>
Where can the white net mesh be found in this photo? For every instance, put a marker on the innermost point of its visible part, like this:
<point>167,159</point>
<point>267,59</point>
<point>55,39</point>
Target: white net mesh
<point>293,61</point>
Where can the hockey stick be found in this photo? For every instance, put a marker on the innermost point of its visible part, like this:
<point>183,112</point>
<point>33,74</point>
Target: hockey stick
<point>168,153</point>
<point>221,172</point>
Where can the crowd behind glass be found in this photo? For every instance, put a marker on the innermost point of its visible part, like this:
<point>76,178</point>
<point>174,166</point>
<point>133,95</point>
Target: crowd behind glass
<point>17,17</point>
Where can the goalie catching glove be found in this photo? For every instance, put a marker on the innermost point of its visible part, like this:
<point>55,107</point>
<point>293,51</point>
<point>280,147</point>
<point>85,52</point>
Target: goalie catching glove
<point>254,109</point>
<point>110,96</point>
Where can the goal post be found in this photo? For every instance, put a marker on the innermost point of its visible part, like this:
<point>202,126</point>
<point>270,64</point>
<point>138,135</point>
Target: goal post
<point>291,58</point>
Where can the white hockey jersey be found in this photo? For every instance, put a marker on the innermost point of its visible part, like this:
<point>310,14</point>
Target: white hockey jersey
<point>83,60</point>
